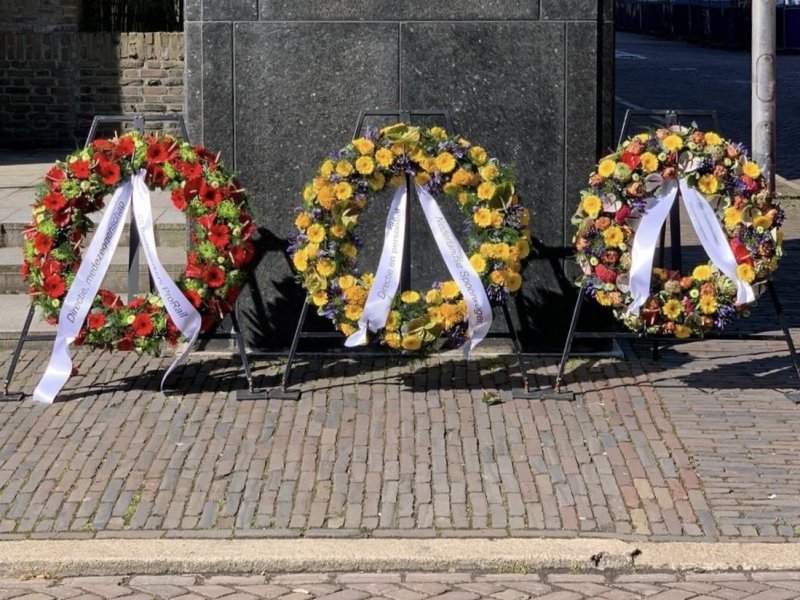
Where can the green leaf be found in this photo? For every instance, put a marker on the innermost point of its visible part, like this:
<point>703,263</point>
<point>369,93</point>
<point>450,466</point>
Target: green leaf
<point>490,399</point>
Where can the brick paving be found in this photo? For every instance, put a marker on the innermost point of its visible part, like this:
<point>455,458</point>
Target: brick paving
<point>416,586</point>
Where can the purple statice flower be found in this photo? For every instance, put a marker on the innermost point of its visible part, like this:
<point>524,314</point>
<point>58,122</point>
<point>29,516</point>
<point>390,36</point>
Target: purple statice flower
<point>329,311</point>
<point>725,315</point>
<point>742,149</point>
<point>780,217</point>
<point>371,133</point>
<point>316,213</point>
<point>496,293</point>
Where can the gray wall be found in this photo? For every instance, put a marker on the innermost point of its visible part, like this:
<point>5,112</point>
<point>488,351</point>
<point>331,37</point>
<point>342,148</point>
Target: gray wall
<point>277,84</point>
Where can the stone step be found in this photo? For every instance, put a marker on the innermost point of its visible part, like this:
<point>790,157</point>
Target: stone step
<point>116,279</point>
<point>15,216</point>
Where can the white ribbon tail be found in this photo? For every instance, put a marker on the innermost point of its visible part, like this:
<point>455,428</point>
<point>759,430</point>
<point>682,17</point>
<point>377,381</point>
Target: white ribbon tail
<point>82,292</point>
<point>644,244</point>
<point>478,306</point>
<point>713,239</point>
<point>184,315</point>
<point>387,277</point>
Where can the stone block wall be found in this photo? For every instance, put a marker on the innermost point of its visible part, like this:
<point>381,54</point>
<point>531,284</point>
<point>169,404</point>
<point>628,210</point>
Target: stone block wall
<point>53,83</point>
<point>276,85</point>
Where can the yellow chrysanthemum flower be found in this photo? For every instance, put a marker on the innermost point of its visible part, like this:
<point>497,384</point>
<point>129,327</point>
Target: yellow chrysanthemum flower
<point>392,339</point>
<point>384,157</point>
<point>450,187</point>
<point>393,321</point>
<point>497,277</point>
<point>319,298</point>
<point>732,217</point>
<point>422,178</point>
<point>428,164</point>
<point>751,169</point>
<point>497,218</point>
<point>708,304</point>
<point>478,263</point>
<point>355,295</point>
<point>410,297</point>
<point>462,177</point>
<point>309,192</point>
<point>702,273</point>
<point>300,261</point>
<point>344,168</point>
<point>346,282</point>
<point>613,237</point>
<point>591,205</point>
<point>501,251</point>
<point>450,290</point>
<point>682,332</point>
<point>712,139</point>
<point>463,198</point>
<point>353,312</point>
<point>326,267</point>
<point>671,309</point>
<point>365,165</point>
<point>489,172</point>
<point>482,217</point>
<point>433,297</point>
<point>486,190</point>
<point>606,167</point>
<point>326,170</point>
<point>302,221</point>
<point>708,184</point>
<point>347,329</point>
<point>364,146</point>
<point>349,250</point>
<point>326,197</point>
<point>649,162</point>
<point>435,313</point>
<point>513,280</point>
<point>438,133</point>
<point>412,342</point>
<point>316,233</point>
<point>745,272</point>
<point>338,231</point>
<point>478,155</point>
<point>343,190</point>
<point>762,221</point>
<point>523,248</point>
<point>672,142</point>
<point>376,182</point>
<point>445,162</point>
<point>603,299</point>
<point>311,249</point>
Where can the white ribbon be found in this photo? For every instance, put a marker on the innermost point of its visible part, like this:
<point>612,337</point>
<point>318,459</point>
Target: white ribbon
<point>709,232</point>
<point>387,277</point>
<point>90,275</point>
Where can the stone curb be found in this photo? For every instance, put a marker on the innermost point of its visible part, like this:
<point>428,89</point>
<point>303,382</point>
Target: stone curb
<point>61,558</point>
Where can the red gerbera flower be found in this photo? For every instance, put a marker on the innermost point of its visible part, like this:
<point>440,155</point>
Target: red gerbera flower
<point>25,270</point>
<point>62,218</point>
<point>214,277</point>
<point>192,188</point>
<point>142,325</point>
<point>43,243</point>
<point>136,302</point>
<point>80,168</point>
<point>210,195</point>
<point>125,147</point>
<point>96,320</point>
<point>193,297</point>
<point>605,274</point>
<point>190,170</point>
<point>632,160</point>
<point>109,299</point>
<point>218,235</point>
<point>54,201</point>
<point>54,286</point>
<point>178,199</point>
<point>158,178</point>
<point>241,255</point>
<point>207,221</point>
<point>51,267</point>
<point>156,153</point>
<point>109,172</point>
<point>55,175</point>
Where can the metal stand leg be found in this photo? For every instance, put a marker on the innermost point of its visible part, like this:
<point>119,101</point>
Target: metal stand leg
<point>250,394</point>
<point>570,338</point>
<point>282,393</point>
<point>773,294</point>
<point>15,358</point>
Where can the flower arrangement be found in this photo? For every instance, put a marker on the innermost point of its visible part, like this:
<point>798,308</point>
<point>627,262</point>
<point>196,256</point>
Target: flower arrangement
<point>325,249</point>
<point>680,304</point>
<point>201,187</point>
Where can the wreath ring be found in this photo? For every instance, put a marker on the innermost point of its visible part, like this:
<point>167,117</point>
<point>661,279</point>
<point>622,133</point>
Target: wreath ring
<point>680,304</point>
<point>200,186</point>
<point>325,247</point>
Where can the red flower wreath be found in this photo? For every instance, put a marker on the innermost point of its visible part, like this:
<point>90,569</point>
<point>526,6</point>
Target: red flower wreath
<point>221,230</point>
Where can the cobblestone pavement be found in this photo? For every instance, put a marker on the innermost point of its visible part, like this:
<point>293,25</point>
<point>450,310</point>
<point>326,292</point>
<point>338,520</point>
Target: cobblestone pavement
<point>417,586</point>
